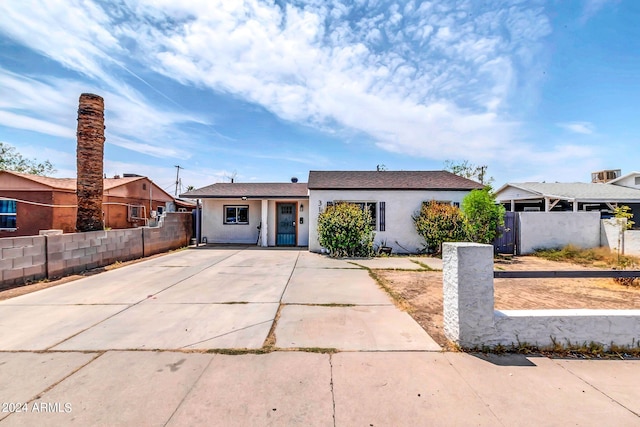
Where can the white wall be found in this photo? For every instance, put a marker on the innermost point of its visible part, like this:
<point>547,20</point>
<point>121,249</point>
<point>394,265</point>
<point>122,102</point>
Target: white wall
<point>471,322</point>
<point>400,231</point>
<point>632,242</point>
<point>539,230</point>
<point>629,181</point>
<point>214,229</point>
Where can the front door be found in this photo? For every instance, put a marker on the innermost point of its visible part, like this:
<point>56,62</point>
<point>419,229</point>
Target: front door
<point>286,224</point>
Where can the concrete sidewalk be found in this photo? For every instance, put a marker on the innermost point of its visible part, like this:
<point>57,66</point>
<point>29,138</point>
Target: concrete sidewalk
<point>131,347</point>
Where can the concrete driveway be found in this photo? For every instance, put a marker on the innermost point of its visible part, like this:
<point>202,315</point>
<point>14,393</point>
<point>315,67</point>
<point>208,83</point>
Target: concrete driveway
<point>141,345</point>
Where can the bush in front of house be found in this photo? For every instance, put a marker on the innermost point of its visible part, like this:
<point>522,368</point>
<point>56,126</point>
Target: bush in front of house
<point>482,216</point>
<point>346,231</point>
<point>437,223</point>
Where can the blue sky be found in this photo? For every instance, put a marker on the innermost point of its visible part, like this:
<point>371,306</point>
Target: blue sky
<point>267,90</point>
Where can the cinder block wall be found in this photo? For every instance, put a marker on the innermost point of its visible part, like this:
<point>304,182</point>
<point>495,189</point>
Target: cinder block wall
<point>73,253</point>
<point>174,233</point>
<point>22,259</point>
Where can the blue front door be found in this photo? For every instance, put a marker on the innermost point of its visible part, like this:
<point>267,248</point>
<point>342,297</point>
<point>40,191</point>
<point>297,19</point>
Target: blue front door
<point>286,224</point>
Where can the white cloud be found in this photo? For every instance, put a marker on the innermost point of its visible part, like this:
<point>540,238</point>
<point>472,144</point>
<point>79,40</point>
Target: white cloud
<point>584,128</point>
<point>592,7</point>
<point>49,106</point>
<point>432,81</point>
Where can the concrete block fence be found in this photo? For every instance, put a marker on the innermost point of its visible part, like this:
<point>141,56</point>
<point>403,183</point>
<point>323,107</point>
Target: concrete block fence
<point>24,259</point>
<point>471,321</point>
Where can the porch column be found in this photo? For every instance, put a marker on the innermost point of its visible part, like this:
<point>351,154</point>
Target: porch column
<point>263,228</point>
<point>547,203</point>
<point>513,206</point>
<point>575,205</point>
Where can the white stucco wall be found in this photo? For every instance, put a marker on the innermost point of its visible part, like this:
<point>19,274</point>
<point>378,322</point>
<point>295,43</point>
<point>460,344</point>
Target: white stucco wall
<point>214,229</point>
<point>557,229</point>
<point>632,242</point>
<point>471,321</point>
<point>629,181</point>
<point>400,231</point>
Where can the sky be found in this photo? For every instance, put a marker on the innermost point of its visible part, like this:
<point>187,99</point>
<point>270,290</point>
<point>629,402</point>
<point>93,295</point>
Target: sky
<point>263,91</point>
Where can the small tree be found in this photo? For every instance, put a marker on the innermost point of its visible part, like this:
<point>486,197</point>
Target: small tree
<point>346,230</point>
<point>482,216</point>
<point>437,223</point>
<point>623,213</point>
<point>469,171</point>
<point>12,160</point>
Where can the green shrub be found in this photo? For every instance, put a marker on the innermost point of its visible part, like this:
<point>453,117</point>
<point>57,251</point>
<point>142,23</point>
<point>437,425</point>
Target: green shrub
<point>346,230</point>
<point>437,223</point>
<point>482,216</point>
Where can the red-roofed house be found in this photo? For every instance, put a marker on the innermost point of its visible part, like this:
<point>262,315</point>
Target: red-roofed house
<point>30,203</point>
<point>286,214</point>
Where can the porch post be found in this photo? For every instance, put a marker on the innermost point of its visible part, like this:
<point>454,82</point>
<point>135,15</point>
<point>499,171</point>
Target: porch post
<point>263,227</point>
<point>513,205</point>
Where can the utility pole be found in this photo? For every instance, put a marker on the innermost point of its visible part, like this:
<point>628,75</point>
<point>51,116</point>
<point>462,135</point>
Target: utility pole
<point>177,177</point>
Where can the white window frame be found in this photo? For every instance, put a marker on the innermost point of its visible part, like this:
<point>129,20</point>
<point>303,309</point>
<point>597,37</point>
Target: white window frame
<point>10,214</point>
<point>237,208</point>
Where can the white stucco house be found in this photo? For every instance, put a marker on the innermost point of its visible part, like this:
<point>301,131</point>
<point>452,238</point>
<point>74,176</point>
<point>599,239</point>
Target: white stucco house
<point>287,213</point>
<point>576,196</point>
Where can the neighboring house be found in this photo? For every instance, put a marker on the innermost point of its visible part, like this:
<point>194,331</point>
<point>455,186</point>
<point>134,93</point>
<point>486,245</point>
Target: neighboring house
<point>630,180</point>
<point>578,196</point>
<point>30,203</point>
<point>269,214</point>
<point>392,197</point>
<point>286,214</point>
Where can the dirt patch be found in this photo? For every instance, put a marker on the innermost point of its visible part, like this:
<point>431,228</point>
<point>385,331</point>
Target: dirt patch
<point>422,292</point>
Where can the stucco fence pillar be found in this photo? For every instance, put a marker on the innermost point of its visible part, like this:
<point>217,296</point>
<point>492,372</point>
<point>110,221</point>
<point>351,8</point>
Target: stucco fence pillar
<point>467,282</point>
<point>471,321</point>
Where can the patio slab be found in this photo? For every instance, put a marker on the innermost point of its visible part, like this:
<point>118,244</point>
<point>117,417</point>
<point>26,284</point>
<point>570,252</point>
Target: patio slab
<point>360,328</point>
<point>404,389</point>
<point>536,389</point>
<point>121,388</point>
<point>26,375</point>
<point>263,258</point>
<point>43,326</point>
<point>311,286</point>
<point>220,285</point>
<point>282,388</point>
<point>618,379</point>
<point>313,260</point>
<point>179,326</point>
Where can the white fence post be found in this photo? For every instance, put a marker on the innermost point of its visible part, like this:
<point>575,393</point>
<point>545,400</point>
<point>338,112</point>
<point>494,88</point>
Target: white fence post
<point>468,293</point>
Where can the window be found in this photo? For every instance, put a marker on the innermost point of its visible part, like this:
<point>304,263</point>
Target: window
<point>8,214</point>
<point>135,213</point>
<point>236,214</point>
<point>144,186</point>
<point>160,210</point>
<point>370,206</point>
<point>637,180</point>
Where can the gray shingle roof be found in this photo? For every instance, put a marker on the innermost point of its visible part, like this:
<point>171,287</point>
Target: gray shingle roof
<point>389,180</point>
<point>286,190</point>
<point>578,190</point>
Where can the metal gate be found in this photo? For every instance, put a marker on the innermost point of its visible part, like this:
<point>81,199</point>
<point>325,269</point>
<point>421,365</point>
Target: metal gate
<point>286,224</point>
<point>505,243</point>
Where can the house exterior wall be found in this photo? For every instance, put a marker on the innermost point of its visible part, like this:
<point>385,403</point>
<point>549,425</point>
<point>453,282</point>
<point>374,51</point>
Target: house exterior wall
<point>141,192</point>
<point>216,231</point>
<point>400,232</point>
<point>557,229</point>
<point>628,181</point>
<point>31,218</point>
